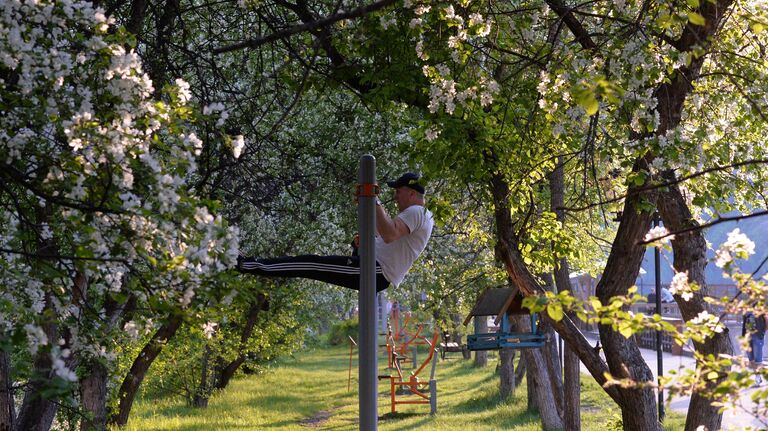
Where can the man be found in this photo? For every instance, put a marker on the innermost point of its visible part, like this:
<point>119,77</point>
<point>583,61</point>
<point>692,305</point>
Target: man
<point>754,327</point>
<point>399,241</point>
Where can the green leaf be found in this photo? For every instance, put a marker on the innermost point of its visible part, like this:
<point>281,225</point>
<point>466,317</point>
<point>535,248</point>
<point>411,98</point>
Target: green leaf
<point>693,3</point>
<point>590,104</point>
<point>757,27</point>
<point>596,304</point>
<point>696,19</point>
<point>555,311</point>
<point>626,331</point>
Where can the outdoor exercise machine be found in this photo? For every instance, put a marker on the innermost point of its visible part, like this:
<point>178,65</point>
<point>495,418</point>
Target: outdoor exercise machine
<point>502,303</point>
<point>401,340</point>
<point>413,385</point>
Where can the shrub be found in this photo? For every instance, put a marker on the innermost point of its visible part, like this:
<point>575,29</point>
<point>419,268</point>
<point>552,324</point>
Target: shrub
<point>341,330</point>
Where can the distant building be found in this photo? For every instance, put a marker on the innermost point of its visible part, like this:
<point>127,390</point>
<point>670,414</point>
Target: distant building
<point>754,228</point>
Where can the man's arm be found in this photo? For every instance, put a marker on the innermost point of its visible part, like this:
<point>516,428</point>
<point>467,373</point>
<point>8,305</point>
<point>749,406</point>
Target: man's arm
<point>389,229</point>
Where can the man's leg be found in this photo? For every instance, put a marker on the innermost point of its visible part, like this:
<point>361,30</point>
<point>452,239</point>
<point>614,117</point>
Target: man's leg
<point>342,271</point>
<point>756,357</point>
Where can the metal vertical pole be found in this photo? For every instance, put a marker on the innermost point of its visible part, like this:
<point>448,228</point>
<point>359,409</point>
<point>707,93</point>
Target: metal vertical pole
<point>659,356</point>
<point>366,216</point>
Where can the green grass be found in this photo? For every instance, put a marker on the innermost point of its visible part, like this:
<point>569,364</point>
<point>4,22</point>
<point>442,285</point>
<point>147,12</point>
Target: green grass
<point>314,384</point>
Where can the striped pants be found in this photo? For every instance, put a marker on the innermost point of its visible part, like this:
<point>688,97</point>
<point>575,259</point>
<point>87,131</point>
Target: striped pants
<point>342,271</point>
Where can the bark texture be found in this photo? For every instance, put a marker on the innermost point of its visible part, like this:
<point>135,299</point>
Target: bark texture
<point>638,405</point>
<point>690,256</point>
<point>37,413</point>
<point>551,354</point>
<point>7,408</point>
<point>571,369</point>
<point>138,371</point>
<point>481,327</point>
<point>506,372</point>
<point>541,394</point>
<point>228,370</point>
<point>93,396</point>
<point>518,272</point>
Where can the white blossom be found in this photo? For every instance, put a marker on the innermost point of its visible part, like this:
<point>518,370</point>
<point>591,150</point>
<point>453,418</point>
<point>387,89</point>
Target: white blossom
<point>738,245</point>
<point>186,299</point>
<point>680,286</point>
<point>449,12</point>
<point>60,368</point>
<point>708,321</point>
<point>475,19</point>
<point>431,134</point>
<point>420,52</point>
<point>387,21</point>
<point>36,337</point>
<point>658,235</point>
<point>184,94</point>
<point>131,329</point>
<point>209,329</point>
<point>238,143</point>
<point>422,9</point>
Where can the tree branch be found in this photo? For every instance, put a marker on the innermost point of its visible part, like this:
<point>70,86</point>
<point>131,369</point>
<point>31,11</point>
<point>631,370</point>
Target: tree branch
<point>307,26</point>
<point>722,219</point>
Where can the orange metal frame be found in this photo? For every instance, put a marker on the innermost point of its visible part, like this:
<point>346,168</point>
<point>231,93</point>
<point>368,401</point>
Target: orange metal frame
<point>400,340</point>
<point>413,383</point>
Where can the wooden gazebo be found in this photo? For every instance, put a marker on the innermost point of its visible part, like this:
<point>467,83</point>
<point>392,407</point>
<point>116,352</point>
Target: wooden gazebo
<point>502,303</point>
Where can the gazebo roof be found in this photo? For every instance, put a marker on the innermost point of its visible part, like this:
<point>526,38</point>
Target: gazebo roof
<point>496,301</point>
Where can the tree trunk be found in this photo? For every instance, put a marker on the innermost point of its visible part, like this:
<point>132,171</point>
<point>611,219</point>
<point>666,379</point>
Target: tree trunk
<point>7,408</point>
<point>481,327</point>
<point>520,371</point>
<point>540,382</point>
<point>571,389</point>
<point>532,385</point>
<point>93,396</point>
<point>138,371</point>
<point>506,250</point>
<point>571,370</point>
<point>226,372</point>
<point>506,372</point>
<point>690,250</point>
<point>638,404</point>
<point>37,413</point>
<point>551,356</point>
<point>202,393</point>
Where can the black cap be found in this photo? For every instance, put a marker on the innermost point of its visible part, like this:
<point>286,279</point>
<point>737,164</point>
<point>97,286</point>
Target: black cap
<point>408,179</point>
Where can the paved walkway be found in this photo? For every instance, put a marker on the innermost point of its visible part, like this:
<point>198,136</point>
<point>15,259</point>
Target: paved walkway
<point>731,419</point>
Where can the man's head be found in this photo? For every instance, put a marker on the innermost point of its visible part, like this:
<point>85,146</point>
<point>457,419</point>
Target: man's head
<point>409,190</point>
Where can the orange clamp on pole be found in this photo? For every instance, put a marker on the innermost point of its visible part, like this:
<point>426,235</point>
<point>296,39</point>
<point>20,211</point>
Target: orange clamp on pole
<point>369,190</point>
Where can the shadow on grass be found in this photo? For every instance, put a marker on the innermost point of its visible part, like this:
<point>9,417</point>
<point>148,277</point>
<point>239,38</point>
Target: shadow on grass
<point>486,400</point>
<point>395,417</point>
<point>199,427</point>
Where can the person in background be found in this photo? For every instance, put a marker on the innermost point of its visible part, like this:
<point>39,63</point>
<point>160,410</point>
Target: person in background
<point>754,327</point>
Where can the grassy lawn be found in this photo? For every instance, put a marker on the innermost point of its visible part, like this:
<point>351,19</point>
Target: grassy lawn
<point>310,392</point>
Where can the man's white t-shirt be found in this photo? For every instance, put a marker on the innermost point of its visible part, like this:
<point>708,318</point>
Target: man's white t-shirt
<point>397,257</point>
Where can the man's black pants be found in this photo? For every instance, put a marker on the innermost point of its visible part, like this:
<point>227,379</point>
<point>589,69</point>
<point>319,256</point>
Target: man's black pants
<point>342,271</point>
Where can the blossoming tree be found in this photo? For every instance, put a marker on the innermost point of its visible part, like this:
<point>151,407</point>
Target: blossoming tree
<point>98,219</point>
